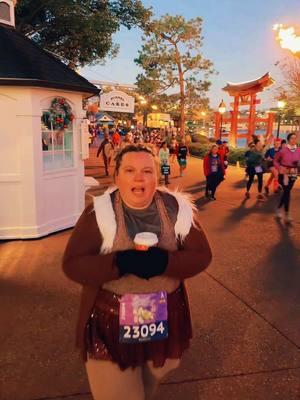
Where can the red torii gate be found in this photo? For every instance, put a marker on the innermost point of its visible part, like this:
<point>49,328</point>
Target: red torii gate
<point>245,94</point>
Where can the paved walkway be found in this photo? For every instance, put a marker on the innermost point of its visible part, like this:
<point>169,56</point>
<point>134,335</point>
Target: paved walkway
<point>246,306</point>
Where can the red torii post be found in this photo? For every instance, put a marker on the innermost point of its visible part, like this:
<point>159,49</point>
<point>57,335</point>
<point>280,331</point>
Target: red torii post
<point>245,94</point>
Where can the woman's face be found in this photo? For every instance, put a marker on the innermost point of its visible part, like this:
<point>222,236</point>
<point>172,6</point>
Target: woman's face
<point>258,146</point>
<point>277,145</point>
<point>293,140</point>
<point>137,179</point>
<point>214,150</point>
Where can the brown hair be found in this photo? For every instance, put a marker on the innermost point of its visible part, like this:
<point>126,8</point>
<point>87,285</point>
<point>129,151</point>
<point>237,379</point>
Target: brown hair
<point>288,138</point>
<point>135,148</point>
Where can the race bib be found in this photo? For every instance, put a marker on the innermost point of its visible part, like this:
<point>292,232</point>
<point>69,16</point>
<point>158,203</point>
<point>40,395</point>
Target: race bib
<point>165,169</point>
<point>143,317</point>
<point>258,169</point>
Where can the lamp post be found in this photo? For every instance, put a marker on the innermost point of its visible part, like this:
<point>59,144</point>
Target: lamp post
<point>281,104</point>
<point>143,102</point>
<point>222,109</point>
<point>203,114</point>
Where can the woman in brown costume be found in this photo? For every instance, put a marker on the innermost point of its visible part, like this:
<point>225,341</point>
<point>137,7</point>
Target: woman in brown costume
<point>115,277</point>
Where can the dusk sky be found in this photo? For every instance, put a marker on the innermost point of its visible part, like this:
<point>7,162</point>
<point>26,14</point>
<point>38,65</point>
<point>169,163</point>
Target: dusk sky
<point>238,38</point>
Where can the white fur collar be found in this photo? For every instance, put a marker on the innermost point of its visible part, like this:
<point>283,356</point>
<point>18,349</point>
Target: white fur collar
<point>292,148</point>
<point>185,216</point>
<point>106,219</point>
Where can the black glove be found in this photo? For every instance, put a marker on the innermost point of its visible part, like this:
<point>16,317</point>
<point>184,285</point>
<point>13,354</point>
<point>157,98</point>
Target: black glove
<point>144,264</point>
<point>128,261</point>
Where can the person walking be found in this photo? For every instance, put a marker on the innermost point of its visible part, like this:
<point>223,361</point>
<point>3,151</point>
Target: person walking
<point>116,138</point>
<point>126,141</point>
<point>134,319</point>
<point>173,148</point>
<point>106,148</point>
<point>223,152</point>
<point>287,161</point>
<point>269,160</point>
<point>164,156</point>
<point>254,166</point>
<point>214,172</point>
<point>182,154</point>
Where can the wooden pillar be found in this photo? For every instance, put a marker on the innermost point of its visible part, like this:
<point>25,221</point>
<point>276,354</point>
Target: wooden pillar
<point>217,125</point>
<point>270,124</point>
<point>234,122</point>
<point>251,126</point>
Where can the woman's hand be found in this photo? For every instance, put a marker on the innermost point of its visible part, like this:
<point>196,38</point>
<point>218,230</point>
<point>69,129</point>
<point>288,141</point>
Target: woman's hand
<point>144,264</point>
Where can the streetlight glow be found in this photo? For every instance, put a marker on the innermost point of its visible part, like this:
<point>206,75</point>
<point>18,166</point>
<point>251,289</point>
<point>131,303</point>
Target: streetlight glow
<point>222,107</point>
<point>281,104</point>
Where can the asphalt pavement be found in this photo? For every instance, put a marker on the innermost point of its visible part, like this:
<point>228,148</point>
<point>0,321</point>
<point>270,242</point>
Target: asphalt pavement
<point>245,306</point>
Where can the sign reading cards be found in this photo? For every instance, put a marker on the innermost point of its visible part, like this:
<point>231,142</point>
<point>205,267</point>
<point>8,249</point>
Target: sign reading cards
<point>117,101</point>
<point>143,317</point>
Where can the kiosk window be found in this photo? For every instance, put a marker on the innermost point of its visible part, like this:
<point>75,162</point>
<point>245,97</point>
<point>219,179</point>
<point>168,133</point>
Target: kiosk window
<point>57,145</point>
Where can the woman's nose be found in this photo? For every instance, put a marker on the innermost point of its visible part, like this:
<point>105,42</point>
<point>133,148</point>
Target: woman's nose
<point>138,176</point>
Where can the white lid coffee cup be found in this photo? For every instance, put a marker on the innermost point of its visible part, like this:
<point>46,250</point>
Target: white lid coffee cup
<point>144,240</point>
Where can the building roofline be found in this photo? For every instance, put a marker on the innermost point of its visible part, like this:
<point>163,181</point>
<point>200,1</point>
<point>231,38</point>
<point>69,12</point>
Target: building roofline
<point>40,83</point>
<point>256,85</point>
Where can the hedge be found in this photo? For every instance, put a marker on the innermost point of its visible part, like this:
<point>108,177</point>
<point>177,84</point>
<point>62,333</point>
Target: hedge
<point>201,149</point>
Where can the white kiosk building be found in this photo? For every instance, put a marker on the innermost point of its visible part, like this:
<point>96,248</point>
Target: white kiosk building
<point>41,160</point>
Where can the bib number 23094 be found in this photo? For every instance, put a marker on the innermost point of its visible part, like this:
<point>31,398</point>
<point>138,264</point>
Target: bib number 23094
<point>143,317</point>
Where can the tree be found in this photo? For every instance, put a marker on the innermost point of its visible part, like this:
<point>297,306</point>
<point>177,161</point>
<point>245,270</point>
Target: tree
<point>171,59</point>
<point>291,85</point>
<point>79,31</point>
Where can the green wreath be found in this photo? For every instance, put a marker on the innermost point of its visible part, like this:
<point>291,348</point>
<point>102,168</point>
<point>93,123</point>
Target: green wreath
<point>59,115</point>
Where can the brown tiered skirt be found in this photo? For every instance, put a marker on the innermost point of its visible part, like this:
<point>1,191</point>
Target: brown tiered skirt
<point>102,333</point>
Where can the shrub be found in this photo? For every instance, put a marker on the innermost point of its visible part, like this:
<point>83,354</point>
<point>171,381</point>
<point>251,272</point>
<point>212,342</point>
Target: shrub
<point>197,138</point>
<point>201,149</point>
<point>236,155</point>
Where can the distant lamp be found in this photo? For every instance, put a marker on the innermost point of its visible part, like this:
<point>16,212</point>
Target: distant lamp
<point>281,105</point>
<point>154,107</point>
<point>203,114</point>
<point>143,102</point>
<point>222,109</point>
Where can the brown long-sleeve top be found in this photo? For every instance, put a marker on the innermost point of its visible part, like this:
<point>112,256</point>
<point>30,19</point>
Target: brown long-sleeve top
<point>83,263</point>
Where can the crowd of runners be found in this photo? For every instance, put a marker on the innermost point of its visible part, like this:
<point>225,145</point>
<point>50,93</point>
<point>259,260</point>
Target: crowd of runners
<point>281,163</point>
<point>166,145</point>
<point>275,166</point>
